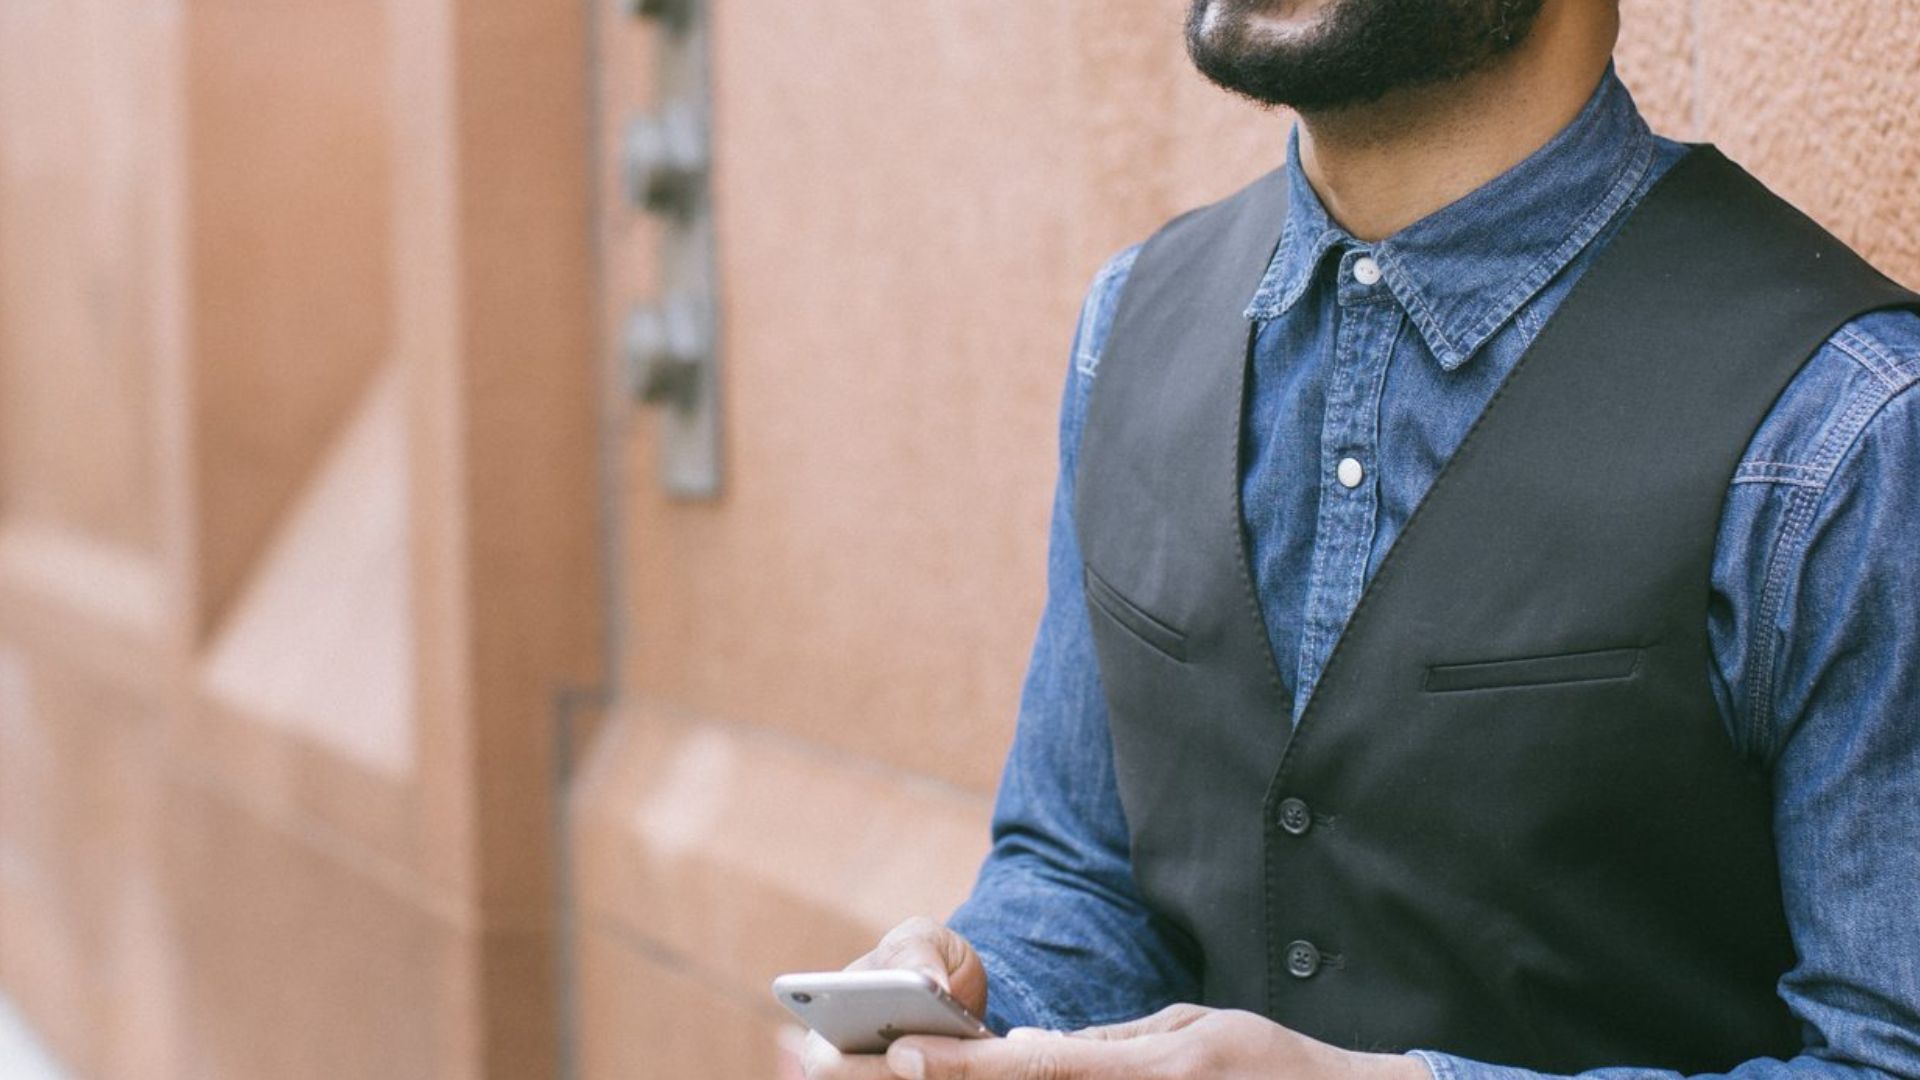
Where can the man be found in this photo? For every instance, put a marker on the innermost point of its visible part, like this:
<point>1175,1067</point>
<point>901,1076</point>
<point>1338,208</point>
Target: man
<point>1606,758</point>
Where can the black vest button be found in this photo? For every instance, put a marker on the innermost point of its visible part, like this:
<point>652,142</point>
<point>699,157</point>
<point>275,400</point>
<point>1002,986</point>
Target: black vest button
<point>1295,817</point>
<point>1303,959</point>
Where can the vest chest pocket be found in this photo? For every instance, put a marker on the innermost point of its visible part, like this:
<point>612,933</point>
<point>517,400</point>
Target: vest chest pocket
<point>1134,619</point>
<point>1574,667</point>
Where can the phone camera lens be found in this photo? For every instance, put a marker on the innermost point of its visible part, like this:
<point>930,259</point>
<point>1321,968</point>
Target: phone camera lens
<point>802,999</point>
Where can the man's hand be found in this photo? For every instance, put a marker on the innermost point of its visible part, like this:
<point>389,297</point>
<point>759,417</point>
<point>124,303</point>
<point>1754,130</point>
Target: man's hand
<point>918,944</point>
<point>1183,1042</point>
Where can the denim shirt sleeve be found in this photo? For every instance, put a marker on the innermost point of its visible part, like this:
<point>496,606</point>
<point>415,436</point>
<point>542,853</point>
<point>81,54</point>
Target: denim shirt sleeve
<point>1816,632</point>
<point>1059,925</point>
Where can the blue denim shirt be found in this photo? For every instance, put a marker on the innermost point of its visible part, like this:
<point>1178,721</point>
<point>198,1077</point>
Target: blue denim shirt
<point>1815,616</point>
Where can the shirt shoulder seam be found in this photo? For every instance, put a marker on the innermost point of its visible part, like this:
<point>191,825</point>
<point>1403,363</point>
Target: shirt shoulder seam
<point>1096,319</point>
<point>1892,376</point>
<point>1787,560</point>
<point>1893,372</point>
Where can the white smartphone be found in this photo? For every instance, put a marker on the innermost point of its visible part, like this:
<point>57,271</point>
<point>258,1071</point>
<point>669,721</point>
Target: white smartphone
<point>862,1012</point>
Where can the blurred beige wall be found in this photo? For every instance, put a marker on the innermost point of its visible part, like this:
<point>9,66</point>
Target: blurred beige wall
<point>297,528</point>
<point>310,445</point>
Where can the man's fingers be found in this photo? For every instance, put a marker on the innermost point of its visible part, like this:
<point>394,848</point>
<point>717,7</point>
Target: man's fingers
<point>1171,1018</point>
<point>1038,1058</point>
<point>966,977</point>
<point>911,946</point>
<point>923,945</point>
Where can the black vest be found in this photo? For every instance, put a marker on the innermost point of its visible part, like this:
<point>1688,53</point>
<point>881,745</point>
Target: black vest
<point>1510,824</point>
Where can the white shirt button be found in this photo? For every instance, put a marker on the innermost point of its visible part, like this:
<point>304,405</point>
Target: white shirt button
<point>1349,473</point>
<point>1366,271</point>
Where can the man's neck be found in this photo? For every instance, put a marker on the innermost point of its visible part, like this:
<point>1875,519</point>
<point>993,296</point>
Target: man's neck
<point>1383,166</point>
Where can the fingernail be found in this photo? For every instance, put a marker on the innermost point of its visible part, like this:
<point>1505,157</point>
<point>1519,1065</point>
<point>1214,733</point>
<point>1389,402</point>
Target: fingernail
<point>907,1063</point>
<point>1028,1033</point>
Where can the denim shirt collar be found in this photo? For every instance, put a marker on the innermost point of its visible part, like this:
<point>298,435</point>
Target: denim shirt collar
<point>1462,272</point>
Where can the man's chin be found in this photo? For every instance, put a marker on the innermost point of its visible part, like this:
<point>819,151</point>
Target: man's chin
<point>1263,19</point>
<point>1318,56</point>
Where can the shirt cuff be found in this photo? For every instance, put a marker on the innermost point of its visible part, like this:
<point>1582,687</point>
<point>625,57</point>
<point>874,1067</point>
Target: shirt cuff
<point>1448,1067</point>
<point>1011,1003</point>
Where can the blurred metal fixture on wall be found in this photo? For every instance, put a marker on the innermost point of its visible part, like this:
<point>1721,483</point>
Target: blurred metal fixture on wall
<point>670,343</point>
<point>674,13</point>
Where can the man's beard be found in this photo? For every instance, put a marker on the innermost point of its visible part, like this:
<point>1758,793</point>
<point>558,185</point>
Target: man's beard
<point>1358,51</point>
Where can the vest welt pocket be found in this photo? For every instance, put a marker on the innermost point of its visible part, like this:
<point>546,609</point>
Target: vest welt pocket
<point>1134,619</point>
<point>1575,667</point>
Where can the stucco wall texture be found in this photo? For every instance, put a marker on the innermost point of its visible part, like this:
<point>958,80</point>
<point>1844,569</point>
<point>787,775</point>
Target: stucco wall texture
<point>257,253</point>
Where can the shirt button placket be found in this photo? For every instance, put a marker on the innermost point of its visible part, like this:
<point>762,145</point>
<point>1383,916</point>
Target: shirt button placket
<point>1350,472</point>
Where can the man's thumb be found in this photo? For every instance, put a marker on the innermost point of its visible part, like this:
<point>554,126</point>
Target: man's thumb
<point>1171,1018</point>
